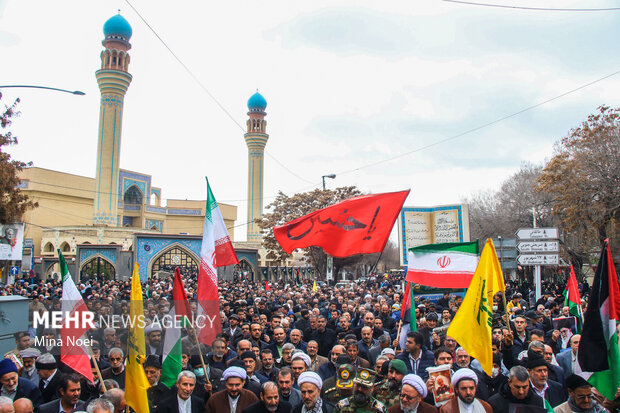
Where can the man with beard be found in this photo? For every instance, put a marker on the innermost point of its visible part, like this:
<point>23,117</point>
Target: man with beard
<point>285,387</point>
<point>29,371</point>
<point>580,397</point>
<point>269,401</point>
<point>388,391</point>
<point>153,337</point>
<point>70,390</point>
<point>517,391</point>
<point>361,401</point>
<point>217,358</point>
<point>268,368</point>
<point>158,390</point>
<point>310,386</point>
<point>234,398</point>
<point>464,383</point>
<point>411,395</point>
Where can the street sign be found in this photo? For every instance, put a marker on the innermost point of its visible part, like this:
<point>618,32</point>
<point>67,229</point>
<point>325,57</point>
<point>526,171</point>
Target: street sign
<point>538,259</point>
<point>539,246</point>
<point>14,270</point>
<point>537,233</point>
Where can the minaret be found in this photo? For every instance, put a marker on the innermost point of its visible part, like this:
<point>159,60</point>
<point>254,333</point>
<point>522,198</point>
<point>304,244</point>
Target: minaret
<point>113,80</point>
<point>256,139</point>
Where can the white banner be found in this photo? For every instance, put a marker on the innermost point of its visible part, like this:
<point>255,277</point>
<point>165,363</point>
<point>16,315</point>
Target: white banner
<point>11,241</point>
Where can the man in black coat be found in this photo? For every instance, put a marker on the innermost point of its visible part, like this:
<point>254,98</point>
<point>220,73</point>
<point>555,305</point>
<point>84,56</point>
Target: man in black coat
<point>70,390</point>
<point>185,387</point>
<point>11,384</point>
<point>517,391</point>
<point>325,337</point>
<point>269,401</point>
<point>49,377</point>
<point>550,390</point>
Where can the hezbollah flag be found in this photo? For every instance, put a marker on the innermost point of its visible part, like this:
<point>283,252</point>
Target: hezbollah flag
<point>471,326</point>
<point>135,379</point>
<point>73,308</point>
<point>598,349</point>
<point>172,357</point>
<point>572,299</point>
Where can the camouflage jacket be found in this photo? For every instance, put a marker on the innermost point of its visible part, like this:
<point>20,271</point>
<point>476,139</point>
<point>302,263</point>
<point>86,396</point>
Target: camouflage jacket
<point>372,406</point>
<point>389,397</point>
<point>334,394</point>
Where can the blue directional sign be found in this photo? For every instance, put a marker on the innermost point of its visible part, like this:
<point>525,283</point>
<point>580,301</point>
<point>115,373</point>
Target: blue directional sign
<point>14,270</point>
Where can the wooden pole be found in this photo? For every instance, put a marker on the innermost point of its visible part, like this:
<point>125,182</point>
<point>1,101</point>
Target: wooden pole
<point>92,355</point>
<point>201,358</point>
<point>506,311</point>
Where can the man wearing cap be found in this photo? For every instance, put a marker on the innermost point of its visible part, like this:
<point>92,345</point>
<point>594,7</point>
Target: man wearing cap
<point>22,342</point>
<point>580,397</point>
<point>310,385</point>
<point>183,400</point>
<point>344,384</point>
<point>49,377</point>
<point>388,391</point>
<point>234,398</point>
<point>465,383</point>
<point>539,377</point>
<point>362,400</point>
<point>153,337</point>
<point>29,371</point>
<point>411,398</point>
<point>15,387</point>
<point>158,390</point>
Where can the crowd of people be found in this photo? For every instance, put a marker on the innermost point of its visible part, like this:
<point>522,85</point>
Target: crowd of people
<point>293,349</point>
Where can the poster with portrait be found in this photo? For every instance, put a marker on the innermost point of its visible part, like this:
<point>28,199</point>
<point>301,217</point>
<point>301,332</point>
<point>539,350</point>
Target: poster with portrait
<point>11,241</point>
<point>442,387</point>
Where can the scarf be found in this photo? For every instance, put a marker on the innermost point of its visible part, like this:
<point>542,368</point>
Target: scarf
<point>594,408</point>
<point>318,407</point>
<point>474,407</point>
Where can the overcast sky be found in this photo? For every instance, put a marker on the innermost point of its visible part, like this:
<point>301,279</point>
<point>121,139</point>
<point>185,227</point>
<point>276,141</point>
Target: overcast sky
<point>348,84</point>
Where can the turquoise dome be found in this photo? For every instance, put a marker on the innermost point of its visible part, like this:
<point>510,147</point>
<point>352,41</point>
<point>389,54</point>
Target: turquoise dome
<point>257,102</point>
<point>117,26</point>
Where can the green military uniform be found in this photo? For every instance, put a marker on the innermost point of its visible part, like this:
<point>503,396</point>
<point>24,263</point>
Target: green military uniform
<point>365,378</point>
<point>344,384</point>
<point>385,394</point>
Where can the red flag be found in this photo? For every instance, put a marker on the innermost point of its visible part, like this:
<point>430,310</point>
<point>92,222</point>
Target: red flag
<point>179,298</point>
<point>267,287</point>
<point>359,225</point>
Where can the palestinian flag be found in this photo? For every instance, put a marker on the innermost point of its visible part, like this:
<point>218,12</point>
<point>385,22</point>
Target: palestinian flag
<point>598,349</point>
<point>74,355</point>
<point>572,299</point>
<point>447,265</point>
<point>172,356</point>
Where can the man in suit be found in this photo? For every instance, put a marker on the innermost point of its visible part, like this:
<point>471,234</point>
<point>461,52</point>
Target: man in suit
<point>539,377</point>
<point>15,387</point>
<point>415,356</point>
<point>183,401</point>
<point>70,390</point>
<point>568,359</point>
<point>158,390</point>
<point>269,401</point>
<point>49,377</point>
<point>234,398</point>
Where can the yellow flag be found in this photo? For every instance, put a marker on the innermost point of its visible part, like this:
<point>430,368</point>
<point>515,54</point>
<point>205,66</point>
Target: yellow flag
<point>135,379</point>
<point>314,286</point>
<point>471,325</point>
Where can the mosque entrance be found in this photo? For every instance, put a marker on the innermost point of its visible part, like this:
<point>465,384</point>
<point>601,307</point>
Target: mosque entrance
<point>98,268</point>
<point>243,271</point>
<point>166,263</point>
<point>132,196</point>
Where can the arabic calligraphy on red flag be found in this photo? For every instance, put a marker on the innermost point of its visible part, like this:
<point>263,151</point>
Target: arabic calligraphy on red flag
<point>359,225</point>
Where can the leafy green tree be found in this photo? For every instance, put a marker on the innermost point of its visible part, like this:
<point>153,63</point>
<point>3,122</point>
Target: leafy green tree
<point>13,203</point>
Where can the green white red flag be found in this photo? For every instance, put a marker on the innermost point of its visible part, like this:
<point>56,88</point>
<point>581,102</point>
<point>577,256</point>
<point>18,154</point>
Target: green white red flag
<point>172,354</point>
<point>598,353</point>
<point>216,251</point>
<point>572,299</point>
<point>74,352</point>
<point>445,265</point>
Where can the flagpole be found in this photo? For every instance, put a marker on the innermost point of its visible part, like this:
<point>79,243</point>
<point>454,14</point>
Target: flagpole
<point>376,263</point>
<point>92,355</point>
<point>200,353</point>
<point>506,311</point>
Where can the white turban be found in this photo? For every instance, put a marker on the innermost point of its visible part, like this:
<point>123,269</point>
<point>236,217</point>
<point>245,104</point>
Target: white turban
<point>152,327</point>
<point>304,357</point>
<point>461,374</point>
<point>416,382</point>
<point>310,377</point>
<point>234,371</point>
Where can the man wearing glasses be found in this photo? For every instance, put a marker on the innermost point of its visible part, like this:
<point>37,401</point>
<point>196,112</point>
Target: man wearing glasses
<point>579,397</point>
<point>411,395</point>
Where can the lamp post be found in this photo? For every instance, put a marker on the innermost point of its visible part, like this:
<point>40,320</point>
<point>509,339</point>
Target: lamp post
<point>331,176</point>
<point>74,92</point>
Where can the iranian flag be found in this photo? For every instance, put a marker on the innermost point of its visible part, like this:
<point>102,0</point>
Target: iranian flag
<point>74,352</point>
<point>172,355</point>
<point>447,265</point>
<point>572,299</point>
<point>216,251</point>
<point>598,349</point>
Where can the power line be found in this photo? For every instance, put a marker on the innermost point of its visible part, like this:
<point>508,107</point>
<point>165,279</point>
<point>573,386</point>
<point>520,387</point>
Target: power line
<point>204,88</point>
<point>477,128</point>
<point>470,3</point>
